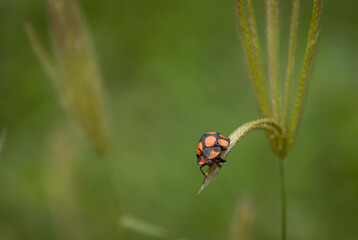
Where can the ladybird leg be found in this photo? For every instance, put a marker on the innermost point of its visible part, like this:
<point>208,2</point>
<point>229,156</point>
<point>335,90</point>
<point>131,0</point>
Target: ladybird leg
<point>209,162</point>
<point>220,160</point>
<point>202,170</point>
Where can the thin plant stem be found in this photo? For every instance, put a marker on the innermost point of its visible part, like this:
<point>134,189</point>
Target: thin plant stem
<point>2,139</point>
<point>273,58</point>
<point>306,71</point>
<point>283,200</point>
<point>290,61</point>
<point>114,171</point>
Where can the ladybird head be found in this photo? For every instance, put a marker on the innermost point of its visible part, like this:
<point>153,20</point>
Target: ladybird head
<point>211,152</point>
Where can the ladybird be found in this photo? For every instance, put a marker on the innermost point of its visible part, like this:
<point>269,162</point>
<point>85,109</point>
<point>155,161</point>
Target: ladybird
<point>210,145</point>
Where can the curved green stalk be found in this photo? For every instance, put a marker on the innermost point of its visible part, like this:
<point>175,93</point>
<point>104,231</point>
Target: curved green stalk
<point>268,124</point>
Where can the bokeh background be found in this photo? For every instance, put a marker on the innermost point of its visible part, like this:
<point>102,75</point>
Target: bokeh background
<point>173,70</point>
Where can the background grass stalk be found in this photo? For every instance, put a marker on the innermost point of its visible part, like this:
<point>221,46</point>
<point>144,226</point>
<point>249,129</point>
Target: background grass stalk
<point>273,57</point>
<point>244,221</point>
<point>306,71</point>
<point>75,74</point>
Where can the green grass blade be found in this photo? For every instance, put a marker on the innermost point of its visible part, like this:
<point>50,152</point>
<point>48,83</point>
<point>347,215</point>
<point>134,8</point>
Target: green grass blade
<point>253,55</point>
<point>306,70</point>
<point>43,56</point>
<point>145,228</point>
<point>290,61</point>
<point>273,57</point>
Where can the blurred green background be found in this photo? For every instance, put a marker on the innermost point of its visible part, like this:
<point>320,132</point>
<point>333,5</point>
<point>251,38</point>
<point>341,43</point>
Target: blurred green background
<point>173,70</point>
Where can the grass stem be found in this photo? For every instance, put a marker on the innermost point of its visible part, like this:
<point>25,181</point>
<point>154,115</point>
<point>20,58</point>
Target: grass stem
<point>283,200</point>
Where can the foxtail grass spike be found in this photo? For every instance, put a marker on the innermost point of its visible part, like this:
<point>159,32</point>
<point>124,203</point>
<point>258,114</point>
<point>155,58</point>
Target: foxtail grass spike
<point>306,71</point>
<point>253,56</point>
<point>290,61</point>
<point>273,57</point>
